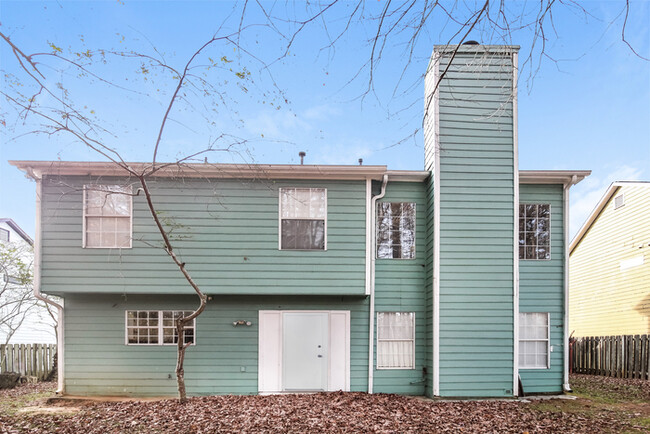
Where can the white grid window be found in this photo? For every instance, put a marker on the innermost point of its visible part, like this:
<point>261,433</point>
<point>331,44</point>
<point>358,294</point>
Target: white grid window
<point>395,340</point>
<point>534,231</point>
<point>534,340</point>
<point>303,219</point>
<point>4,235</point>
<point>396,230</point>
<point>107,216</point>
<point>156,327</point>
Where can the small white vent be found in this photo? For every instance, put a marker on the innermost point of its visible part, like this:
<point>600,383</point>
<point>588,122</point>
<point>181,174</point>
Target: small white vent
<point>619,201</point>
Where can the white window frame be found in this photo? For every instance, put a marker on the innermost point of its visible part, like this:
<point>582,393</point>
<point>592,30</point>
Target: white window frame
<point>100,187</point>
<point>280,191</point>
<point>159,327</point>
<point>412,340</point>
<point>547,340</point>
<point>414,232</point>
<point>550,240</point>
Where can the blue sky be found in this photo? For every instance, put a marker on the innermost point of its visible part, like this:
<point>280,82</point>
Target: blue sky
<point>586,108</point>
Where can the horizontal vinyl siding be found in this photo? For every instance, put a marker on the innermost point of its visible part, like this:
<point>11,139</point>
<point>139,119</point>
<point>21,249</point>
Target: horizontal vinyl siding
<point>605,300</point>
<point>541,289</point>
<point>97,362</point>
<point>399,287</point>
<point>226,231</point>
<point>476,226</point>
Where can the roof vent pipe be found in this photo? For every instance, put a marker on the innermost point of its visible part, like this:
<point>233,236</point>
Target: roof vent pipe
<point>360,161</point>
<point>302,154</point>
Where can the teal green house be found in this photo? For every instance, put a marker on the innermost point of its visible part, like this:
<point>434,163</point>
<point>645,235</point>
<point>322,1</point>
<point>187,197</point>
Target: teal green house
<point>450,281</point>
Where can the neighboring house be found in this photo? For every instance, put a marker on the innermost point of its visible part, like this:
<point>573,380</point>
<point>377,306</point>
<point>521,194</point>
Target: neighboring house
<point>610,265</point>
<point>37,325</point>
<point>445,282</point>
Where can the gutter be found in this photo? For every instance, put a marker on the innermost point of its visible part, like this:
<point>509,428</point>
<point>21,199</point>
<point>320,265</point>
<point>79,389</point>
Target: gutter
<point>37,279</point>
<point>565,386</point>
<point>371,322</point>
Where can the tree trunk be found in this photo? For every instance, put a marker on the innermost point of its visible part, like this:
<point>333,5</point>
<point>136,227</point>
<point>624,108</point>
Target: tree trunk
<point>180,358</point>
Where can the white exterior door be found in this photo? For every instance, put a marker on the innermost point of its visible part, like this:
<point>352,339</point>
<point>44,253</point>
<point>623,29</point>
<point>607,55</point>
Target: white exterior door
<point>304,351</point>
<point>301,351</point>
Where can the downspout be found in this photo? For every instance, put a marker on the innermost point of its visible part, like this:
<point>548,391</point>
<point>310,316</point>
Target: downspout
<point>371,322</point>
<point>37,279</point>
<point>565,386</point>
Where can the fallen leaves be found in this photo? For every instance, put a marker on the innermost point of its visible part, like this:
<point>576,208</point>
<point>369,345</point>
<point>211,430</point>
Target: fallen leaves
<point>335,412</point>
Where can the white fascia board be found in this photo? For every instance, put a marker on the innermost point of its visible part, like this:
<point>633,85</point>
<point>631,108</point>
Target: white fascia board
<point>207,170</point>
<point>552,176</point>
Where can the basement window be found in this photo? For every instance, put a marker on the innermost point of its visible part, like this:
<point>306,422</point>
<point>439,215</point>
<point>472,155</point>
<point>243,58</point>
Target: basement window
<point>157,327</point>
<point>534,340</point>
<point>396,230</point>
<point>535,231</point>
<point>107,216</point>
<point>303,219</point>
<point>395,340</point>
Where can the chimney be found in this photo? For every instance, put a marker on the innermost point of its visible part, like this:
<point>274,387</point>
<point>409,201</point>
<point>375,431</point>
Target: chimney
<point>470,143</point>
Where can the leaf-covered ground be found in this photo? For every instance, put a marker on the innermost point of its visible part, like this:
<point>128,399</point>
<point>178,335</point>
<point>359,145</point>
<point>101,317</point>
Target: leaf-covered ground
<point>336,413</point>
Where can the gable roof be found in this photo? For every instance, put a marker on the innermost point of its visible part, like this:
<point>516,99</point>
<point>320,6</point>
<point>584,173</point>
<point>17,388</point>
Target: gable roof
<point>13,225</point>
<point>609,193</point>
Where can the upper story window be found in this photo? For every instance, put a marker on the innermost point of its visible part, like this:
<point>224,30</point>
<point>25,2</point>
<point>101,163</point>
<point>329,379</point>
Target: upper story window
<point>157,327</point>
<point>107,216</point>
<point>4,235</point>
<point>534,231</point>
<point>396,230</point>
<point>303,219</point>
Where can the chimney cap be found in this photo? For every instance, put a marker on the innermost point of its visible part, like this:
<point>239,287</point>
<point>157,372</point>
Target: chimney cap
<point>471,42</point>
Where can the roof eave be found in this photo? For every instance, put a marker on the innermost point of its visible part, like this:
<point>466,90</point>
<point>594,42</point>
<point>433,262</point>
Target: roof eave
<point>552,176</point>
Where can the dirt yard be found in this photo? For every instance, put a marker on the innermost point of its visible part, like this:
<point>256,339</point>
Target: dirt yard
<point>603,405</point>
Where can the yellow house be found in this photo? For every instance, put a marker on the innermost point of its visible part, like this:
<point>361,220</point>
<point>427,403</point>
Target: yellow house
<point>609,283</point>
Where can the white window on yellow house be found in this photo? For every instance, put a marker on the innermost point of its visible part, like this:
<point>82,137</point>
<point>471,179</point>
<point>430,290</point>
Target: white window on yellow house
<point>303,219</point>
<point>395,340</point>
<point>534,340</point>
<point>534,231</point>
<point>157,327</point>
<point>107,216</point>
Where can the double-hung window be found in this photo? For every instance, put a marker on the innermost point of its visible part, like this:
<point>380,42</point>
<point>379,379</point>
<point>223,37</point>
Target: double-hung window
<point>395,340</point>
<point>396,230</point>
<point>534,231</point>
<point>157,327</point>
<point>303,219</point>
<point>107,216</point>
<point>534,340</point>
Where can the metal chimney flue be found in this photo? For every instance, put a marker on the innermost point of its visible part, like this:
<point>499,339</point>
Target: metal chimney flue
<point>302,157</point>
<point>360,161</point>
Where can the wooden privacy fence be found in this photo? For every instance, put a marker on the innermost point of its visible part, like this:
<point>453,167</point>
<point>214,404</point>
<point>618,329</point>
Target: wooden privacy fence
<point>612,356</point>
<point>35,360</point>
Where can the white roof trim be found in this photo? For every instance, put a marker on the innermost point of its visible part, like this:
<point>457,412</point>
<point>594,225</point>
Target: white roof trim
<point>552,176</point>
<point>609,193</point>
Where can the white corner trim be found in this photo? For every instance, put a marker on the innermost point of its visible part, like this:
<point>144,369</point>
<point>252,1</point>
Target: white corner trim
<point>435,358</point>
<point>38,251</point>
<point>515,289</point>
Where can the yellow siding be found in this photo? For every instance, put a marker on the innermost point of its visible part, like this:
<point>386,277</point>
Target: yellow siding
<point>604,299</point>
